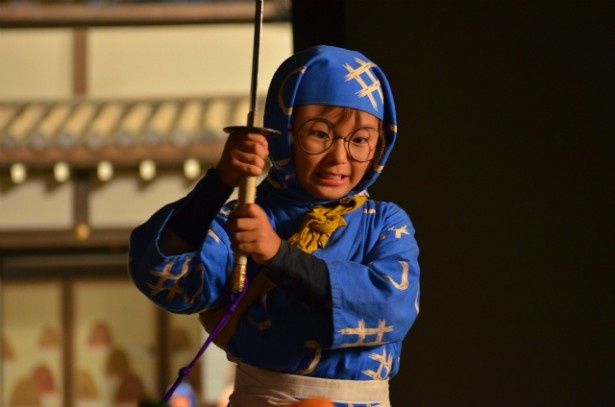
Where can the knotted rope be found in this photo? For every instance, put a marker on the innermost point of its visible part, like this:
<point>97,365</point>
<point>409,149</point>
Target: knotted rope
<point>319,224</point>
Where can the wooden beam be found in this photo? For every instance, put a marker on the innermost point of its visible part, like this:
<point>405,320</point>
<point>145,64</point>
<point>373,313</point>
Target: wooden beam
<point>61,15</point>
<point>50,239</point>
<point>70,264</point>
<point>165,156</point>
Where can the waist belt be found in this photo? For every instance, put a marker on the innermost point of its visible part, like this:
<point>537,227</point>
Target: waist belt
<point>256,387</point>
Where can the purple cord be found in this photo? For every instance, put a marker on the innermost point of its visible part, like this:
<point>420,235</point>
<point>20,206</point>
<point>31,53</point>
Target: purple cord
<point>185,371</point>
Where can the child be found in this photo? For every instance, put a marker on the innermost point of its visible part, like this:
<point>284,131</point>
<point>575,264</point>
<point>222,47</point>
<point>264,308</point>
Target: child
<point>334,277</point>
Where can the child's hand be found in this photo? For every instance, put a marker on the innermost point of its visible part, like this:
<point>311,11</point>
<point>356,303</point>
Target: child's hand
<point>244,155</point>
<point>252,234</point>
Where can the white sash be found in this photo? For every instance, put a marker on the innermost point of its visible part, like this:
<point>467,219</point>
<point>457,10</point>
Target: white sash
<point>256,387</point>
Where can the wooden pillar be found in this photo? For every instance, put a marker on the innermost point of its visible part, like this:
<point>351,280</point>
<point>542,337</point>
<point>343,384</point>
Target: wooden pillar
<point>81,192</point>
<point>80,85</point>
<point>164,353</point>
<point>67,341</point>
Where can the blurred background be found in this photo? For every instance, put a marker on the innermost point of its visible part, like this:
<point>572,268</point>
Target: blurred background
<point>504,162</point>
<point>109,110</point>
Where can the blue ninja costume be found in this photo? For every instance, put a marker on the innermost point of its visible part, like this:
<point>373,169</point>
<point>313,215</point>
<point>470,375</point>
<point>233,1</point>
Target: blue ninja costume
<point>371,260</point>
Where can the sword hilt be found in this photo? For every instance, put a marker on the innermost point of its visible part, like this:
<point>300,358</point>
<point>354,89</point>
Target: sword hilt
<point>247,194</point>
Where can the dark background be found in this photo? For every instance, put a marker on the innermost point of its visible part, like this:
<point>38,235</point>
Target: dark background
<point>504,163</point>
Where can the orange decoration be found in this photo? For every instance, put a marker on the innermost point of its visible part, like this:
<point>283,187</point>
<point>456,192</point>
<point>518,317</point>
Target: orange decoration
<point>43,379</point>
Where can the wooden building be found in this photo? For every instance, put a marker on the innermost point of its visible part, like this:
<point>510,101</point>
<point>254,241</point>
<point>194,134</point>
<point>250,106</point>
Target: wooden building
<point>106,114</point>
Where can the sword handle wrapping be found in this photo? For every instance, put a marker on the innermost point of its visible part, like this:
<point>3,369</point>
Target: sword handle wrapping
<point>247,194</point>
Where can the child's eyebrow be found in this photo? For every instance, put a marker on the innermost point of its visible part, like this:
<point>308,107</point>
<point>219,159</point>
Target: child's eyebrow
<point>333,125</point>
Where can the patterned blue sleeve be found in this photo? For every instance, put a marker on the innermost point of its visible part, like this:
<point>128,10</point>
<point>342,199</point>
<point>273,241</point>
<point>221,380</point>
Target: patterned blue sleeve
<point>376,300</point>
<point>185,283</point>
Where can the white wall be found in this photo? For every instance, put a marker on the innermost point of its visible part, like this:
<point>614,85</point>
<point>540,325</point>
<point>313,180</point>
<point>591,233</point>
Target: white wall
<point>36,204</point>
<point>35,64</point>
<point>183,60</point>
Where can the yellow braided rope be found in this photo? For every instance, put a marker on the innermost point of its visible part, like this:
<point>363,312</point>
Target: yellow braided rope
<point>319,224</point>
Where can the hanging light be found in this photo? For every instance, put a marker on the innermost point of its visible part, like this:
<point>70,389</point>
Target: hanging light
<point>104,170</point>
<point>19,173</point>
<point>147,170</point>
<point>192,168</point>
<point>61,172</point>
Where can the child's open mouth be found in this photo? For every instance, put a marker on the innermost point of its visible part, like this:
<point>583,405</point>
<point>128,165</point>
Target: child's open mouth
<point>331,179</point>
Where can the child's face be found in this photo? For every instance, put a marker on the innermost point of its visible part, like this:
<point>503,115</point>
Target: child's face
<point>332,173</point>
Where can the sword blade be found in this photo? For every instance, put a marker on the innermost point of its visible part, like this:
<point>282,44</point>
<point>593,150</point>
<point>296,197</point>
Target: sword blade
<point>258,25</point>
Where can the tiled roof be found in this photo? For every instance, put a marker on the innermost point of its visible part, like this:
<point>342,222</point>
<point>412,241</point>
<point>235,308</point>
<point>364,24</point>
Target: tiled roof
<point>84,132</point>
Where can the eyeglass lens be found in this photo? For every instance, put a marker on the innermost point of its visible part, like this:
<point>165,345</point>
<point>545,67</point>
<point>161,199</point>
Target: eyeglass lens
<point>317,136</point>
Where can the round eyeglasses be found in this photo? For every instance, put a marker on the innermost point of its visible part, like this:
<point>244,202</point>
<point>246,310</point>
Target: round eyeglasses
<point>316,136</point>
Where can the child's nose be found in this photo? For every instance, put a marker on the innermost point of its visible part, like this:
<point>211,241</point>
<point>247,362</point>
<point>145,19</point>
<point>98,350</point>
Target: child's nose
<point>338,151</point>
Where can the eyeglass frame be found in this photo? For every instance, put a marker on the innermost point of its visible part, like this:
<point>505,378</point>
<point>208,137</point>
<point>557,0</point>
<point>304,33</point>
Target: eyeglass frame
<point>345,139</point>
